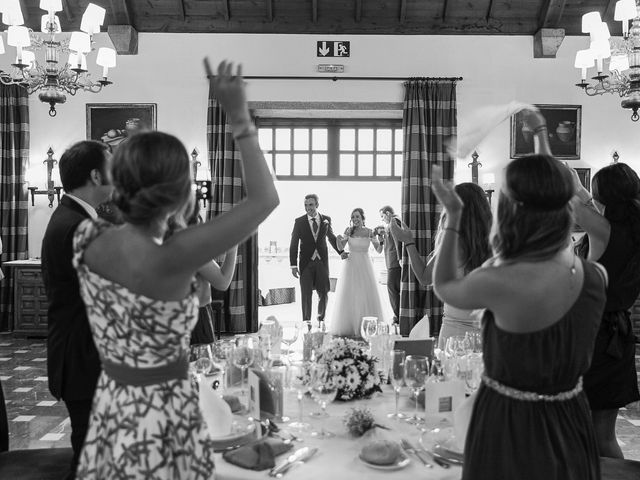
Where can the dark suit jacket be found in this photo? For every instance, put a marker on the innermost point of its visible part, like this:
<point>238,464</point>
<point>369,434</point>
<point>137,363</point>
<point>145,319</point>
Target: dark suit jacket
<point>303,235</point>
<point>73,364</point>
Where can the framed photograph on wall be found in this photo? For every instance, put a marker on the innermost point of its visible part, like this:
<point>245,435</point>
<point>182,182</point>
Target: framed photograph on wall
<point>585,177</point>
<point>563,124</point>
<point>111,123</point>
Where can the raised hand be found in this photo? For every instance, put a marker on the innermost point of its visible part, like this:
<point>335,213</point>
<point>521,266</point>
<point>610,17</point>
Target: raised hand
<point>444,192</point>
<point>533,118</point>
<point>401,233</point>
<point>229,89</point>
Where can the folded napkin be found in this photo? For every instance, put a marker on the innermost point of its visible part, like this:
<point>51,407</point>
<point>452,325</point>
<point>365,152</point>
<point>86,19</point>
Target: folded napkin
<point>260,455</point>
<point>215,411</point>
<point>420,330</point>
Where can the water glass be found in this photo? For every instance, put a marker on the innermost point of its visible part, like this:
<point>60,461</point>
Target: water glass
<point>324,386</point>
<point>202,359</point>
<point>222,356</point>
<point>396,375</point>
<point>243,355</point>
<point>368,328</point>
<point>290,336</point>
<point>416,371</point>
<point>299,381</point>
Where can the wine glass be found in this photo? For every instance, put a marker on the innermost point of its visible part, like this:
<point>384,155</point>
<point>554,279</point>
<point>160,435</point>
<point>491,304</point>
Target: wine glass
<point>290,335</point>
<point>202,359</point>
<point>299,381</point>
<point>397,378</point>
<point>243,354</point>
<point>416,370</point>
<point>222,355</point>
<point>368,328</point>
<point>324,386</point>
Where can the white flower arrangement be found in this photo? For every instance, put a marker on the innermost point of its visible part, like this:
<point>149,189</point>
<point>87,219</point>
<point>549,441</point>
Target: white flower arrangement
<point>356,374</point>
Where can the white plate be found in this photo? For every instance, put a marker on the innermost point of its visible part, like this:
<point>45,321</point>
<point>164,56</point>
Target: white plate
<point>401,462</point>
<point>240,427</point>
<point>442,442</point>
<point>243,431</point>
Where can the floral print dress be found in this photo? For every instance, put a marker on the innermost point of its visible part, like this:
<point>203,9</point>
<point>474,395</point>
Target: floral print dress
<point>154,431</point>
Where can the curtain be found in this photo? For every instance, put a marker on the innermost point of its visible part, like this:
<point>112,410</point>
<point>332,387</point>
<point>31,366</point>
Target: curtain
<point>14,152</point>
<point>241,299</point>
<point>429,120</point>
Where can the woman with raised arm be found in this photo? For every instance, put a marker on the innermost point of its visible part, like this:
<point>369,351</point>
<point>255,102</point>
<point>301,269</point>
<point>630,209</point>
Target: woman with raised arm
<point>531,418</point>
<point>612,238</point>
<point>475,225</point>
<point>141,296</point>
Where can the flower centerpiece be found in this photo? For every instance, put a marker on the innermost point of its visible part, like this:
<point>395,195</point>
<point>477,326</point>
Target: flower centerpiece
<point>354,371</point>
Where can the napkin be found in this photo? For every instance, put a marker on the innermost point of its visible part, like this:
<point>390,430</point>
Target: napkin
<point>420,330</point>
<point>259,455</point>
<point>462,419</point>
<point>215,411</point>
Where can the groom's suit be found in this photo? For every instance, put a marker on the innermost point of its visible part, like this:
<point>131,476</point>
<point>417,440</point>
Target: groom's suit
<point>313,260</point>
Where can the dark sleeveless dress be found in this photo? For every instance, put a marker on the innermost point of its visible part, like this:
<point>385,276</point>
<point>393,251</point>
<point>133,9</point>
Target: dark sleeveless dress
<point>537,440</point>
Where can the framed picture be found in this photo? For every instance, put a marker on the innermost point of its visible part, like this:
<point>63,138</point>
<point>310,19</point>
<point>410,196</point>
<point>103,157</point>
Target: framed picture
<point>111,123</point>
<point>563,124</point>
<point>585,177</point>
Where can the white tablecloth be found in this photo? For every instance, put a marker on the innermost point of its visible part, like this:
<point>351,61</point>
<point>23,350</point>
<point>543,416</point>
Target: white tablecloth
<point>337,458</point>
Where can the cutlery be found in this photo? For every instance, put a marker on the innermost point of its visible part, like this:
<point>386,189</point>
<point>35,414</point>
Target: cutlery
<point>299,456</point>
<point>407,447</point>
<point>437,459</point>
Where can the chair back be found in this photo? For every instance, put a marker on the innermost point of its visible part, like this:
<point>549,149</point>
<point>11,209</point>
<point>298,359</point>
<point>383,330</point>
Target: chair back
<point>4,424</point>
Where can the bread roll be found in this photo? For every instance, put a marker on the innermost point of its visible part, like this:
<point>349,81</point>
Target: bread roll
<point>380,452</point>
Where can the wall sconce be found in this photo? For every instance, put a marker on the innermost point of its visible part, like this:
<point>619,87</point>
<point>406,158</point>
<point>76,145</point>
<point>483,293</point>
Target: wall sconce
<point>203,187</point>
<point>489,182</point>
<point>51,189</point>
<point>488,179</point>
<point>615,156</point>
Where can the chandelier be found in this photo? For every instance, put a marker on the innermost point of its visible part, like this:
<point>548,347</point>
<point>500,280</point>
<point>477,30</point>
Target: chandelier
<point>52,78</point>
<point>623,54</point>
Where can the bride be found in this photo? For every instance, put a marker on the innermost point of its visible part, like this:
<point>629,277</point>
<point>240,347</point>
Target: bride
<point>357,290</point>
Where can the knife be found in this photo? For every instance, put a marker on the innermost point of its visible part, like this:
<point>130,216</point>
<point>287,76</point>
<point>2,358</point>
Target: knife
<point>299,455</point>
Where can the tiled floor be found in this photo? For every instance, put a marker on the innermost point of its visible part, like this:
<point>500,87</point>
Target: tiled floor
<point>37,420</point>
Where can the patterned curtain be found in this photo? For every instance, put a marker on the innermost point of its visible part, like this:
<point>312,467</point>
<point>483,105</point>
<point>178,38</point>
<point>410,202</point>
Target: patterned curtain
<point>241,299</point>
<point>429,119</point>
<point>14,151</point>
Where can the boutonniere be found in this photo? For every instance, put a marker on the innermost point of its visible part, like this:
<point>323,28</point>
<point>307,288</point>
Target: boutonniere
<point>325,222</point>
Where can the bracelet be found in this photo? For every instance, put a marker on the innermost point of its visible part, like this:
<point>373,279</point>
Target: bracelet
<point>452,229</point>
<point>410,243</point>
<point>249,131</point>
<point>539,128</point>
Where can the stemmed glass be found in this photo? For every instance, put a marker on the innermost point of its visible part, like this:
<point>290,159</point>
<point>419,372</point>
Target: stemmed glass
<point>416,370</point>
<point>243,355</point>
<point>290,335</point>
<point>325,388</point>
<point>397,378</point>
<point>222,355</point>
<point>202,358</point>
<point>368,328</point>
<point>299,381</point>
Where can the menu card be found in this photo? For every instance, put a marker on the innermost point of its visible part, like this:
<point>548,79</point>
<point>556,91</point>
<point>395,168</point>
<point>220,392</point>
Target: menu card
<point>441,399</point>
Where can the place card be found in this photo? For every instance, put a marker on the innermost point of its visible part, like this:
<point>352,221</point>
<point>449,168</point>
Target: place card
<point>442,398</point>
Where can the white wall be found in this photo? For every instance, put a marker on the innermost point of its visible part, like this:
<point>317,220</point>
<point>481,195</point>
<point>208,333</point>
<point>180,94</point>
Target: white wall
<point>496,70</point>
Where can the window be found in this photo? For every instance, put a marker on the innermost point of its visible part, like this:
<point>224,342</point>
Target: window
<point>323,149</point>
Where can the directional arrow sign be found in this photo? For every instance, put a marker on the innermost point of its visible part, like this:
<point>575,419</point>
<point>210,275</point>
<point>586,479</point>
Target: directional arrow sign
<point>333,49</point>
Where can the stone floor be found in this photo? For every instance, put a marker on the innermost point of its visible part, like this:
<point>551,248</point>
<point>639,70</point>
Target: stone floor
<point>37,420</point>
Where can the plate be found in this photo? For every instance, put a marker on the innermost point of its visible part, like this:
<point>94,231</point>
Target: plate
<point>401,462</point>
<point>442,442</point>
<point>243,431</point>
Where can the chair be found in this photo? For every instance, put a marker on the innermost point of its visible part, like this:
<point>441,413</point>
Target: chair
<point>30,464</point>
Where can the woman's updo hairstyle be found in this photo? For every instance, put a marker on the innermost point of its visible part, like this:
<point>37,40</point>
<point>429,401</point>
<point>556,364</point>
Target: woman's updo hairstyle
<point>151,176</point>
<point>534,218</point>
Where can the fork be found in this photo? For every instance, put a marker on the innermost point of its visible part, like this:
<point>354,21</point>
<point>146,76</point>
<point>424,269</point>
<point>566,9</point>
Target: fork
<point>407,447</point>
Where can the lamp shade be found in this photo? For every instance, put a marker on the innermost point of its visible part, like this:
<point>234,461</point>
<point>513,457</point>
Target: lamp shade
<point>1,45</point>
<point>12,15</point>
<point>600,49</point>
<point>77,60</point>
<point>51,5</point>
<point>590,21</point>
<point>619,63</point>
<point>28,58</point>
<point>600,32</point>
<point>94,14</point>
<point>625,10</point>
<point>106,57</point>
<point>80,42</point>
<point>584,59</point>
<point>18,36</point>
<point>46,26</point>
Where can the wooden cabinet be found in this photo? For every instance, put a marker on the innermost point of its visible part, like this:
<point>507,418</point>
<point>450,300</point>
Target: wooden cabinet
<point>29,298</point>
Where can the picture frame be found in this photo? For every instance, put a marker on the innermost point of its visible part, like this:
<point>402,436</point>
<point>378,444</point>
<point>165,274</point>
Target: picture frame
<point>564,124</point>
<point>585,177</point>
<point>111,123</point>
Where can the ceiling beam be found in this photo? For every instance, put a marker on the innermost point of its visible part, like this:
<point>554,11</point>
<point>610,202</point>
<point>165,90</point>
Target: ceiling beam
<point>489,9</point>
<point>609,11</point>
<point>124,39</point>
<point>120,12</point>
<point>551,13</point>
<point>269,5</point>
<point>227,10</point>
<point>403,11</point>
<point>182,10</point>
<point>547,41</point>
<point>67,11</point>
<point>314,11</point>
<point>358,13</point>
<point>444,10</point>
<point>25,11</point>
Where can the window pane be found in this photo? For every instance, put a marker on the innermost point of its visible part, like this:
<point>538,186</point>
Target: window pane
<point>264,137</point>
<point>319,138</point>
<point>365,139</point>
<point>347,139</point>
<point>301,139</point>
<point>283,164</point>
<point>365,165</point>
<point>399,141</point>
<point>319,164</point>
<point>301,164</point>
<point>398,165</point>
<point>283,139</point>
<point>384,140</point>
<point>347,165</point>
<point>385,163</point>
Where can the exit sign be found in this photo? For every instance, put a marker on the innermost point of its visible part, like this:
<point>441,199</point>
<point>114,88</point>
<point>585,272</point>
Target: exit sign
<point>333,49</point>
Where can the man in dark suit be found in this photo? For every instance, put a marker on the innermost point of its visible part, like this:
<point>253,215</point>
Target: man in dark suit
<point>73,365</point>
<point>391,259</point>
<point>311,232</point>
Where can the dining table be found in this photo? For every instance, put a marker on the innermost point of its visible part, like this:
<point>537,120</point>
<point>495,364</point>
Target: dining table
<point>337,457</point>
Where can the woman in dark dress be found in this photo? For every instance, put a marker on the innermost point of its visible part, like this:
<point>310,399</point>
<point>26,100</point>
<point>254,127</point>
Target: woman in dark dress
<point>612,239</point>
<point>531,418</point>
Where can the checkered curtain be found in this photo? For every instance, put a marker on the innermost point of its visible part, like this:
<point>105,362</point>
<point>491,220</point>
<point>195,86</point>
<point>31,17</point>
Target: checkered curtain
<point>241,299</point>
<point>429,119</point>
<point>14,152</point>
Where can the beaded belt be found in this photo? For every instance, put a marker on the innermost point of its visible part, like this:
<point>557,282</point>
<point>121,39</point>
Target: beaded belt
<point>141,377</point>
<point>531,396</point>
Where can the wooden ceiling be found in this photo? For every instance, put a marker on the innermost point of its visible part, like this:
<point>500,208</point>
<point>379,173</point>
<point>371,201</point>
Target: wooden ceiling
<point>386,17</point>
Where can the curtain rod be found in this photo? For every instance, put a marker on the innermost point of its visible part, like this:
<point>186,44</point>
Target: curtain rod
<point>335,79</point>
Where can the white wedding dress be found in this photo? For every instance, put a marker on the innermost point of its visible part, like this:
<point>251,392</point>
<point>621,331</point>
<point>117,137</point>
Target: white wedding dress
<point>357,293</point>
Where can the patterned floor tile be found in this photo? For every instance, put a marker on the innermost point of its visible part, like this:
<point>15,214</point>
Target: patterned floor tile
<point>52,437</point>
<point>41,379</point>
<point>4,378</point>
<point>47,403</point>
<point>4,359</point>
<point>22,390</point>
<point>38,359</point>
<point>634,422</point>
<point>22,368</point>
<point>24,418</point>
<point>21,351</point>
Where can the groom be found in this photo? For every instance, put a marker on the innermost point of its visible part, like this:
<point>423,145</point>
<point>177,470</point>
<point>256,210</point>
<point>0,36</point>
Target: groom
<point>311,232</point>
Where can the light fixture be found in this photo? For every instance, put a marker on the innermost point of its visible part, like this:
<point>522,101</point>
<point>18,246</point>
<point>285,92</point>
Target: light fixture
<point>623,54</point>
<point>54,78</point>
<point>51,188</point>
